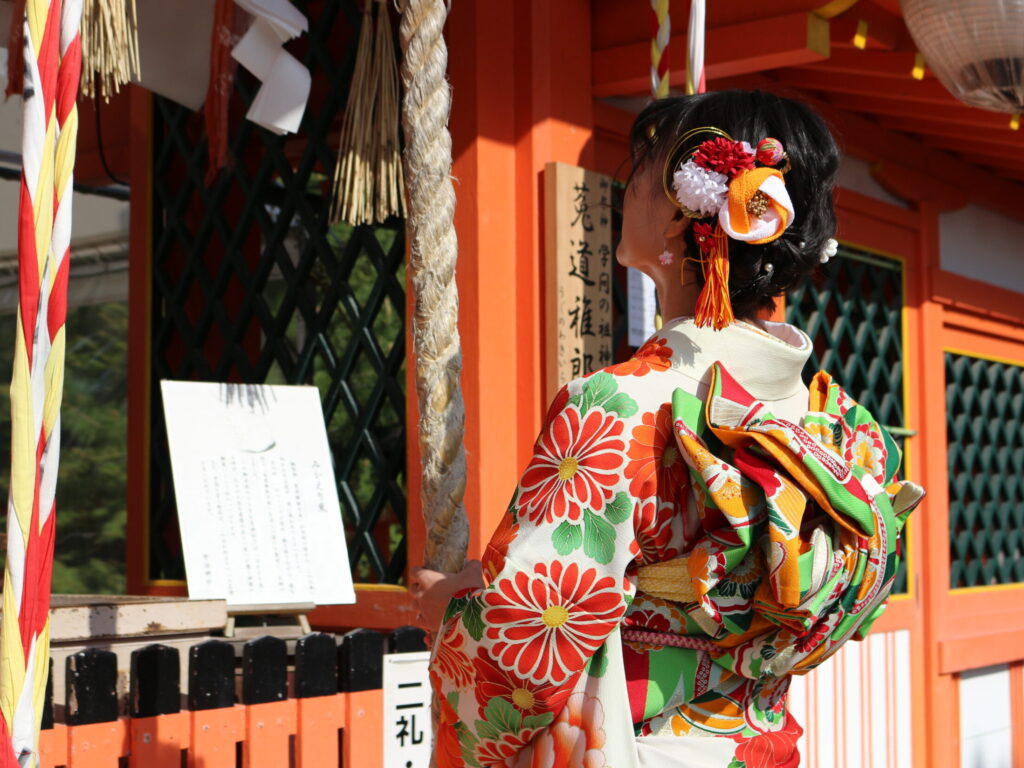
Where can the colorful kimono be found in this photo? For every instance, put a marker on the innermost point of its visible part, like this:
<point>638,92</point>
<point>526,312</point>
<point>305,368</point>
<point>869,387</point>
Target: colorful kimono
<point>764,542</point>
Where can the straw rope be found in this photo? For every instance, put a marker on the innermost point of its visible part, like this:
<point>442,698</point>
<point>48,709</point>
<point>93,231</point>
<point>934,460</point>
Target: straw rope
<point>432,256</point>
<point>50,122</point>
<point>110,46</point>
<point>368,183</point>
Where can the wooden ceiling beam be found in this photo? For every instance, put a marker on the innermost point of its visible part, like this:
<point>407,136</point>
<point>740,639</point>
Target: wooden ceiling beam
<point>907,89</point>
<point>952,114</point>
<point>753,46</point>
<point>620,22</point>
<point>850,61</point>
<point>885,30</point>
<point>976,148</point>
<point>1002,137</point>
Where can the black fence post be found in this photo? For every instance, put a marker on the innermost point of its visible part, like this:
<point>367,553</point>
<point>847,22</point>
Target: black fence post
<point>360,660</point>
<point>264,670</point>
<point>155,681</point>
<point>407,639</point>
<point>91,687</point>
<point>316,666</point>
<point>47,721</point>
<point>211,675</point>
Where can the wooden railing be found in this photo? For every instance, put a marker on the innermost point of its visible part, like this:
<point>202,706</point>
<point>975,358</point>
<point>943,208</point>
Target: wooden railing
<point>320,708</point>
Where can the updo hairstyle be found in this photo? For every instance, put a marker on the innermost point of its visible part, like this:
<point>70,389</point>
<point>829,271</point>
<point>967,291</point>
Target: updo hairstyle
<point>751,116</point>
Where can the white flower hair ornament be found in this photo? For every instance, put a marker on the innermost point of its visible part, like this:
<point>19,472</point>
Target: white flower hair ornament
<point>739,186</point>
<point>830,249</point>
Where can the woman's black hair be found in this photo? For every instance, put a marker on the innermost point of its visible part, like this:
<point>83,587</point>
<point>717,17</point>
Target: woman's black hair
<point>751,116</point>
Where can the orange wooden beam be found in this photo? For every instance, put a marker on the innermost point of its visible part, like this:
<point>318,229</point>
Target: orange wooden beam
<point>999,137</point>
<point>874,63</point>
<point>885,30</point>
<point>906,89</point>
<point>980,650</point>
<point>951,114</point>
<point>753,46</point>
<point>619,22</point>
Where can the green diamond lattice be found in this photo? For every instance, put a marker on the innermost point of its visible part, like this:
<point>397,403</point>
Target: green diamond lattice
<point>985,435</point>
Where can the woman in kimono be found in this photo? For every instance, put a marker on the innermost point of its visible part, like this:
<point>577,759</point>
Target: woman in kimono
<point>696,524</point>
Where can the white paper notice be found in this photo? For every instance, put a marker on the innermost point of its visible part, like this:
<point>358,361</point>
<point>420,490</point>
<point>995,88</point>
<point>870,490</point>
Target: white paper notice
<point>407,726</point>
<point>642,306</point>
<point>257,506</point>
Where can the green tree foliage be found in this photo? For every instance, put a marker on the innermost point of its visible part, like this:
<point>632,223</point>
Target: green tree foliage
<point>89,553</point>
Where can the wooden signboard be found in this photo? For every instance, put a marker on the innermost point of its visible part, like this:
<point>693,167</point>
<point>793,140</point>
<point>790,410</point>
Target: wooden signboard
<point>579,261</point>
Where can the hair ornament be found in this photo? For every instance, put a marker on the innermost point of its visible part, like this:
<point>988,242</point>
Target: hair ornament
<point>830,249</point>
<point>708,174</point>
<point>769,269</point>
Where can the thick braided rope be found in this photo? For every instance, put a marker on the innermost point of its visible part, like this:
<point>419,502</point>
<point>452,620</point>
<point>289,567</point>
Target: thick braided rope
<point>52,65</point>
<point>661,24</point>
<point>432,256</point>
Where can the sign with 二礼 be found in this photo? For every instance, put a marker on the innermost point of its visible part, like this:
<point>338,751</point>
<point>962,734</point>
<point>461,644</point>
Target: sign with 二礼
<point>578,274</point>
<point>256,498</point>
<point>407,725</point>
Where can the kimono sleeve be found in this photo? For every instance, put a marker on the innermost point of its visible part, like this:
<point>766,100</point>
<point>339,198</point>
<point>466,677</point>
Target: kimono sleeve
<point>508,656</point>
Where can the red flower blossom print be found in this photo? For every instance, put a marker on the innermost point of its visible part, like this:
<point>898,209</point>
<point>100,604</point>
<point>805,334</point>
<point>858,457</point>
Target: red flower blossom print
<point>451,662</point>
<point>657,526</point>
<point>504,748</point>
<point>575,466</point>
<point>447,752</point>
<point>655,466</point>
<point>493,560</point>
<point>576,738</point>
<point>654,355</point>
<point>545,625</point>
<point>493,682</point>
<point>776,749</point>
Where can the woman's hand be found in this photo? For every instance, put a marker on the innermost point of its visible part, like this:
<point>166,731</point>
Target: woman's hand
<point>432,590</point>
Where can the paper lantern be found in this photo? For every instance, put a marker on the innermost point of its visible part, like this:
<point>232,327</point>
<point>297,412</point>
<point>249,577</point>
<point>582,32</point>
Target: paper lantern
<point>974,47</point>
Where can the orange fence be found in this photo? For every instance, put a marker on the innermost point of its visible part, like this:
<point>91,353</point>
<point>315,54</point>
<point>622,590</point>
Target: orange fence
<point>323,707</point>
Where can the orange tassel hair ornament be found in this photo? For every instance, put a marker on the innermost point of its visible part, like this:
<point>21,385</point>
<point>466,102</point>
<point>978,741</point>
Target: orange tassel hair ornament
<point>716,178</point>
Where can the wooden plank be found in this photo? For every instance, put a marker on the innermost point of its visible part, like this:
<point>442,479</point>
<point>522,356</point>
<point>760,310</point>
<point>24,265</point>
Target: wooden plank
<point>157,742</point>
<point>98,745</point>
<point>980,650</point>
<point>319,721</point>
<point>951,114</point>
<point>753,46</point>
<point>363,740</point>
<point>964,135</point>
<point>268,728</point>
<point>906,89</point>
<point>91,617</point>
<point>215,733</point>
<point>578,262</point>
<point>619,22</point>
<point>876,63</point>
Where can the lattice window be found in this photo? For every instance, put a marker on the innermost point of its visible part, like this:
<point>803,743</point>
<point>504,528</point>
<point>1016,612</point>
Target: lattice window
<point>251,284</point>
<point>853,314</point>
<point>985,434</point>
